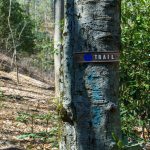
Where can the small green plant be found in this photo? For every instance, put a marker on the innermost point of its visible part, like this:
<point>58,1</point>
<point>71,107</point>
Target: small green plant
<point>44,136</point>
<point>61,112</point>
<point>2,98</point>
<point>119,143</point>
<point>45,120</point>
<point>1,95</point>
<point>23,117</point>
<point>27,118</point>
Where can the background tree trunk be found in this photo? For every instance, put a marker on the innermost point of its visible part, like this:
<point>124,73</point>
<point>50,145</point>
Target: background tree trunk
<point>59,15</point>
<point>91,89</point>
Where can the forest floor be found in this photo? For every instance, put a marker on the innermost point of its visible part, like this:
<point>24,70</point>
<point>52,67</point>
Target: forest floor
<point>28,119</point>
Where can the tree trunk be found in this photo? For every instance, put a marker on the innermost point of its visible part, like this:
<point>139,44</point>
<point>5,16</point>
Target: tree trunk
<point>91,89</point>
<point>59,15</point>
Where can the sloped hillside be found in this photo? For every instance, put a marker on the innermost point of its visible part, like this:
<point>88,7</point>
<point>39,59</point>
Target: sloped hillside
<point>26,110</point>
<point>24,87</point>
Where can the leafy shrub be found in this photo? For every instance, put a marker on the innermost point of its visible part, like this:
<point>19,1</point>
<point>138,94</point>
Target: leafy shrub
<point>134,67</point>
<point>21,26</point>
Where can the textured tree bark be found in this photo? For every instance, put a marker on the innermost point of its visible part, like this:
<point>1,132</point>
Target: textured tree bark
<point>91,89</point>
<point>59,15</point>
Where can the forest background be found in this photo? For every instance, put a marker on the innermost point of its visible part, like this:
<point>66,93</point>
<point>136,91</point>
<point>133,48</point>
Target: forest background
<point>26,35</point>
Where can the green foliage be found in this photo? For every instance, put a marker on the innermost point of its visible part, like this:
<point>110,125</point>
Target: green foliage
<point>32,29</point>
<point>41,14</point>
<point>23,117</point>
<point>30,119</point>
<point>1,94</point>
<point>44,57</point>
<point>21,26</point>
<point>40,135</point>
<point>119,143</point>
<point>134,66</point>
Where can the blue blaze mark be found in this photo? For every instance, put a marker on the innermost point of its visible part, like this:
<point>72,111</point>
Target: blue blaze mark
<point>88,57</point>
<point>96,92</point>
<point>96,116</point>
<point>96,95</point>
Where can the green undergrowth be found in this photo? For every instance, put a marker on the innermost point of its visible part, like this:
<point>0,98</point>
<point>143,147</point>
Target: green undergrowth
<point>49,127</point>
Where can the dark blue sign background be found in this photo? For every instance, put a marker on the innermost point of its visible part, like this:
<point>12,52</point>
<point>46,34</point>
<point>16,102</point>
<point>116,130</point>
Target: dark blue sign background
<point>88,57</point>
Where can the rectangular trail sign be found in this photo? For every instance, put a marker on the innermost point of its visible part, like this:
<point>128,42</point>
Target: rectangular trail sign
<point>96,57</point>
